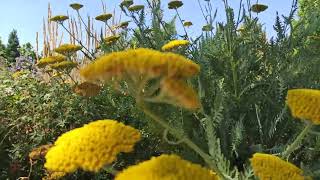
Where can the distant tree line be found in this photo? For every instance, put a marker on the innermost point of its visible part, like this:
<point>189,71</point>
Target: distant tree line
<point>13,51</point>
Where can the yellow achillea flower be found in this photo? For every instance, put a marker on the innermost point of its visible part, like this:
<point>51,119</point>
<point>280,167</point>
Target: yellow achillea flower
<point>136,8</point>
<point>180,94</point>
<point>111,39</point>
<point>124,24</point>
<point>54,175</point>
<point>187,23</point>
<point>87,89</point>
<point>59,18</point>
<point>258,8</point>
<point>104,17</point>
<point>139,62</point>
<point>64,65</point>
<point>175,4</point>
<point>166,167</point>
<point>91,147</point>
<point>76,6</point>
<point>67,49</point>
<point>39,152</point>
<point>51,60</point>
<point>266,166</point>
<point>126,3</point>
<point>207,28</point>
<point>174,44</point>
<point>305,104</point>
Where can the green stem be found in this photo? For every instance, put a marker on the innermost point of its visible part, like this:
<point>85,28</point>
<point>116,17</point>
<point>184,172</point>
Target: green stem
<point>207,158</point>
<point>297,141</point>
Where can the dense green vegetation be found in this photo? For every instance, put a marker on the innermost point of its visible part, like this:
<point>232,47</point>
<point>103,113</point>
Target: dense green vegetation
<point>242,86</point>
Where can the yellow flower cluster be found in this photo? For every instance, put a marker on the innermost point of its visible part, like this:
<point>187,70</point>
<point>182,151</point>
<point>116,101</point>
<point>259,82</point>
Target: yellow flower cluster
<point>139,62</point>
<point>87,89</point>
<point>305,104</point>
<point>39,152</point>
<point>124,24</point>
<point>104,17</point>
<point>267,166</point>
<point>51,60</point>
<point>64,65</point>
<point>136,8</point>
<point>175,4</point>
<point>67,49</point>
<point>76,6</point>
<point>180,93</point>
<point>54,175</point>
<point>126,3</point>
<point>187,23</point>
<point>59,18</point>
<point>175,44</point>
<point>111,39</point>
<point>258,8</point>
<point>207,28</point>
<point>166,167</point>
<point>91,147</point>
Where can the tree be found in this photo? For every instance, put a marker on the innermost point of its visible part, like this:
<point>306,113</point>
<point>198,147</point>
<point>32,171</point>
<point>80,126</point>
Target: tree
<point>12,50</point>
<point>2,49</point>
<point>27,51</point>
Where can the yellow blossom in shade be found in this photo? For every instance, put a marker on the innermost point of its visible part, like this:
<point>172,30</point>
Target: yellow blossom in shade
<point>91,147</point>
<point>258,8</point>
<point>76,6</point>
<point>54,175</point>
<point>179,93</point>
<point>135,8</point>
<point>67,49</point>
<point>305,104</point>
<point>166,167</point>
<point>87,89</point>
<point>175,44</point>
<point>207,28</point>
<point>139,62</point>
<point>124,24</point>
<point>39,152</point>
<point>51,60</point>
<point>266,166</point>
<point>104,17</point>
<point>59,18</point>
<point>187,23</point>
<point>64,65</point>
<point>111,39</point>
<point>126,3</point>
<point>175,4</point>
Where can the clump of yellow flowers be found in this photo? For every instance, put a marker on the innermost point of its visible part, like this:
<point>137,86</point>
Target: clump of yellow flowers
<point>175,44</point>
<point>267,166</point>
<point>91,147</point>
<point>305,104</point>
<point>166,167</point>
<point>67,49</point>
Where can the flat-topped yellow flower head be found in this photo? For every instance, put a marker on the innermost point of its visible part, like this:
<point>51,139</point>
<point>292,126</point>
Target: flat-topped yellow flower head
<point>266,166</point>
<point>305,104</point>
<point>258,8</point>
<point>187,23</point>
<point>166,167</point>
<point>59,18</point>
<point>67,49</point>
<point>177,92</point>
<point>136,8</point>
<point>64,65</point>
<point>87,89</point>
<point>126,3</point>
<point>51,60</point>
<point>207,28</point>
<point>104,17</point>
<point>91,147</point>
<point>175,4</point>
<point>76,6</point>
<point>174,44</point>
<point>135,63</point>
<point>124,24</point>
<point>111,39</point>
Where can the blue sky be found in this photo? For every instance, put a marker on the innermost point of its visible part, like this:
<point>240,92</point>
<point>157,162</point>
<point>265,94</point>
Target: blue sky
<point>26,16</point>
